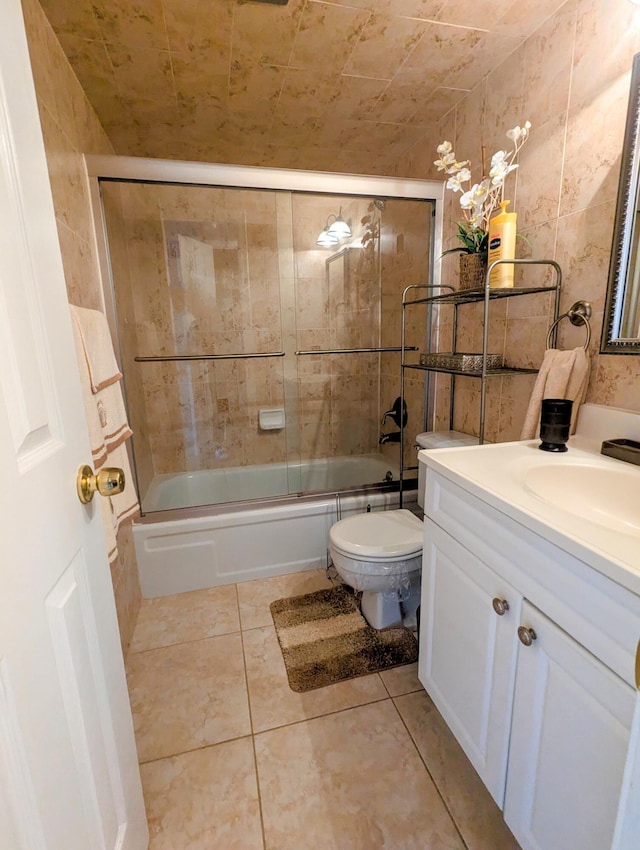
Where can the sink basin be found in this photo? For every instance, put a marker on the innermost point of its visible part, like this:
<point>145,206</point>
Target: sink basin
<point>608,496</point>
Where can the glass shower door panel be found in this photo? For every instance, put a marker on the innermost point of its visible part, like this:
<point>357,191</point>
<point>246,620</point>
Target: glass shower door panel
<point>197,291</point>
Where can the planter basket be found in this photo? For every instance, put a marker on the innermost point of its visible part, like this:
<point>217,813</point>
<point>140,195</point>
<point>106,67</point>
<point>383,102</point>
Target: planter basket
<point>473,270</point>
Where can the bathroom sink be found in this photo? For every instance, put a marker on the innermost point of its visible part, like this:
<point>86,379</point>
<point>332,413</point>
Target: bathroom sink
<point>606,495</point>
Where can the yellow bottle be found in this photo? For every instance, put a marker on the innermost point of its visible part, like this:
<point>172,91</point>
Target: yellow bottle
<point>502,246</point>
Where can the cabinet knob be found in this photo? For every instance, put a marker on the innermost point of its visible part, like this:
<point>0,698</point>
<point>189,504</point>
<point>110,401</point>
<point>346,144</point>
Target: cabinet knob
<point>526,636</point>
<point>500,606</point>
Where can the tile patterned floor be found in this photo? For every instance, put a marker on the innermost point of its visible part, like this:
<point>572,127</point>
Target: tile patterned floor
<point>233,759</point>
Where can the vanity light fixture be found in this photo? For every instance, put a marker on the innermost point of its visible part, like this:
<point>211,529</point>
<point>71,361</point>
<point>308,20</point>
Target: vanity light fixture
<point>339,226</point>
<point>334,231</point>
<point>327,239</point>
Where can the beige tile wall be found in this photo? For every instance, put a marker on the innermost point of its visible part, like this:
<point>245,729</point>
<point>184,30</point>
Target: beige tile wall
<point>70,128</point>
<point>571,80</point>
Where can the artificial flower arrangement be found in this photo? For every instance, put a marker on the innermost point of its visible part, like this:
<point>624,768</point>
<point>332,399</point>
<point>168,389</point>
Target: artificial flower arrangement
<point>480,201</point>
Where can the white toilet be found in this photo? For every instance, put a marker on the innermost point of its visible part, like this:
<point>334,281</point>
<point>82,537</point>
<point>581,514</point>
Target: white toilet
<point>380,553</point>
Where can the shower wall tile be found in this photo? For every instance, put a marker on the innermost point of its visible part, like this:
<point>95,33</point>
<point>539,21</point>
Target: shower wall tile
<point>70,129</point>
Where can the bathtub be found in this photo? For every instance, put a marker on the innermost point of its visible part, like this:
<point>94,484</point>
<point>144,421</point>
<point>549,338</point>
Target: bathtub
<point>226,544</point>
<point>237,483</point>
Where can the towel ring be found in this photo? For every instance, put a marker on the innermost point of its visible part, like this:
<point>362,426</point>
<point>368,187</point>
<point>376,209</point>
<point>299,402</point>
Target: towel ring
<point>578,314</point>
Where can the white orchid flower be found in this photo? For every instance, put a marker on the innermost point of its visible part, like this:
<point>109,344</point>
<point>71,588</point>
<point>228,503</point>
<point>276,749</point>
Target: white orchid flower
<point>445,162</point>
<point>500,167</point>
<point>479,202</point>
<point>476,196</point>
<point>518,132</point>
<point>455,181</point>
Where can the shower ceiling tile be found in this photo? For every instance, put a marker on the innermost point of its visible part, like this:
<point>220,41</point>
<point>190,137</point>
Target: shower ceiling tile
<point>355,96</point>
<point>197,24</point>
<point>426,9</point>
<point>93,68</point>
<point>264,34</point>
<point>384,44</point>
<point>340,85</point>
<point>143,74</point>
<point>70,17</point>
<point>311,92</point>
<point>481,15</point>
<point>327,35</point>
<point>139,24</point>
<point>251,83</point>
<point>401,100</point>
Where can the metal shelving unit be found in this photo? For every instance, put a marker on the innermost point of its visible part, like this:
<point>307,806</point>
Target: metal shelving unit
<point>458,298</point>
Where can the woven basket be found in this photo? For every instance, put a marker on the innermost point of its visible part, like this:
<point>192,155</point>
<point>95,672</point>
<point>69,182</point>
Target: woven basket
<point>473,270</point>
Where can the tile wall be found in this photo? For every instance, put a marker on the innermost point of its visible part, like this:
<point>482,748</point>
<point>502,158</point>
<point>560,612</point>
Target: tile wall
<point>571,80</point>
<point>70,128</point>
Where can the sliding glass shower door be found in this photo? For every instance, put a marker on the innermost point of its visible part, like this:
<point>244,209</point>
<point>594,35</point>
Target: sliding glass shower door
<point>251,354</point>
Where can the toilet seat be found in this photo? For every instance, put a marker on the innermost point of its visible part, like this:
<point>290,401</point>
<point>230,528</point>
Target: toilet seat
<point>378,537</point>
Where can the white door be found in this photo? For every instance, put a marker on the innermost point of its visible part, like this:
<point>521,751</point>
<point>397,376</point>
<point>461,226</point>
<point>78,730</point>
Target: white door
<point>69,778</point>
<point>569,737</point>
<point>468,651</point>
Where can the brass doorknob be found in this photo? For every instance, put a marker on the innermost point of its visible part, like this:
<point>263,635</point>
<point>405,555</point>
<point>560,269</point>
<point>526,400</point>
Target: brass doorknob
<point>108,481</point>
<point>526,636</point>
<point>500,606</point>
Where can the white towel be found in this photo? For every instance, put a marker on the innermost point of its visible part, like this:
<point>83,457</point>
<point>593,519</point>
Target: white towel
<point>106,415</point>
<point>563,374</point>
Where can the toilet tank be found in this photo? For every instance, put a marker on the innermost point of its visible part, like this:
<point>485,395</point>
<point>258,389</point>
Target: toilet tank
<point>438,440</point>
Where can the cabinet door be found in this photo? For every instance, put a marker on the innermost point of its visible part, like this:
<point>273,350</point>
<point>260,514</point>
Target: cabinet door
<point>468,652</point>
<point>570,731</point>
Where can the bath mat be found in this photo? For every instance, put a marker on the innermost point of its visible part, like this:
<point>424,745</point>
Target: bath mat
<point>325,639</point>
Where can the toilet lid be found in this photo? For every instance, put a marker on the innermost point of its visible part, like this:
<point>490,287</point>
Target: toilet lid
<point>380,536</point>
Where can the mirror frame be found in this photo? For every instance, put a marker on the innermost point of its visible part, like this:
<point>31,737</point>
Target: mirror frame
<point>626,206</point>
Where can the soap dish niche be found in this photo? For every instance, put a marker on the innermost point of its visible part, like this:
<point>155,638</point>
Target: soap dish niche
<point>271,419</point>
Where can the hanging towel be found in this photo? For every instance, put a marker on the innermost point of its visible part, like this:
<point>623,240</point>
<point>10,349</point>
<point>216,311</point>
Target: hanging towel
<point>103,375</point>
<point>563,374</point>
<point>106,415</point>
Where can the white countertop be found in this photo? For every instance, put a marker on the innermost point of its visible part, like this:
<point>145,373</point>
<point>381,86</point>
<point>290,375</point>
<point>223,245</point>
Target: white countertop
<point>497,474</point>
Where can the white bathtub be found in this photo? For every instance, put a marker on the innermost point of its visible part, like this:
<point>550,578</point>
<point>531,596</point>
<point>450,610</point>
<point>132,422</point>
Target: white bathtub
<point>236,483</point>
<point>228,546</point>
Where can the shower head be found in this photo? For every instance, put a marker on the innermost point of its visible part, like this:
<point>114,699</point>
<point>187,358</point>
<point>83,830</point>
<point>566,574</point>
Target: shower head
<point>379,203</point>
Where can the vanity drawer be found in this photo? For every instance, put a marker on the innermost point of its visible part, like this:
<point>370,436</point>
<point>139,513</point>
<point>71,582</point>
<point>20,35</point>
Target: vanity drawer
<point>599,613</point>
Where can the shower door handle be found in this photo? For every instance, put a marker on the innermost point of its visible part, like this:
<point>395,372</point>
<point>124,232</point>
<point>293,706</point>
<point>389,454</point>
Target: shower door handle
<point>108,482</point>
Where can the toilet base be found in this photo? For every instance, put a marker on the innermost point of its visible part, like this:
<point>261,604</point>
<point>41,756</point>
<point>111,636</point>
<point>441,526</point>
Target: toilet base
<point>383,611</point>
<point>380,611</point>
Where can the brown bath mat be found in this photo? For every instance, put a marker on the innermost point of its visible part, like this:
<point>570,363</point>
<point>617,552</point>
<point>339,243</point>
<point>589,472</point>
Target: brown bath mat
<point>325,639</point>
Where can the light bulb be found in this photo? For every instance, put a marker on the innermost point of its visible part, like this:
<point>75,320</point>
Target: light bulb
<point>339,227</point>
<point>327,239</point>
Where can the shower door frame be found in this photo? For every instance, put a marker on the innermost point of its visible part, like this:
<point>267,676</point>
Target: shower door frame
<point>140,169</point>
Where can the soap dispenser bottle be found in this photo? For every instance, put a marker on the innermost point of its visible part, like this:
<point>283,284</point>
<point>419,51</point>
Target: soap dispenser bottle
<point>502,246</point>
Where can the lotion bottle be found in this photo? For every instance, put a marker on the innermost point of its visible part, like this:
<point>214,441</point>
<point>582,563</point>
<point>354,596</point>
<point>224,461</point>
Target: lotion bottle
<point>502,246</point>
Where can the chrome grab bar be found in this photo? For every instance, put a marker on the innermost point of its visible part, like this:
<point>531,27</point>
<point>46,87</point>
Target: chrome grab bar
<point>206,357</point>
<point>357,350</point>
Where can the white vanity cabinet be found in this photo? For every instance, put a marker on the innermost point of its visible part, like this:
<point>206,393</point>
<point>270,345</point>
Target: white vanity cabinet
<point>546,722</point>
<point>569,738</point>
<point>467,652</point>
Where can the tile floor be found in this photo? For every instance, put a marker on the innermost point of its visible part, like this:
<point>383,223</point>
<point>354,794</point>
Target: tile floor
<point>232,759</point>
